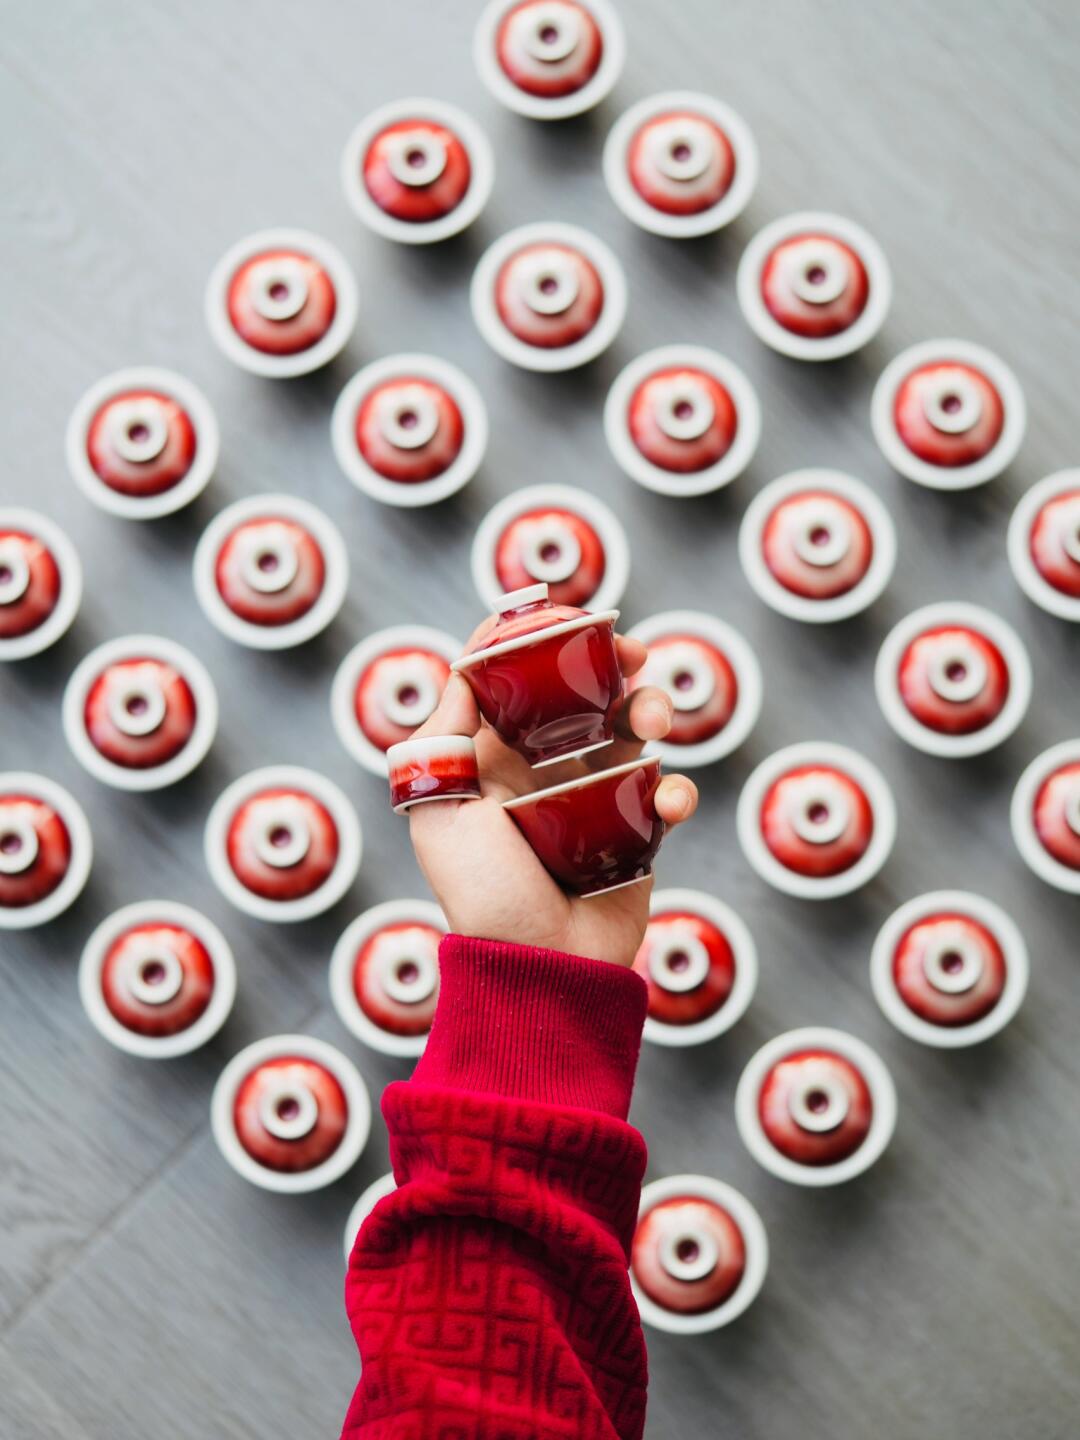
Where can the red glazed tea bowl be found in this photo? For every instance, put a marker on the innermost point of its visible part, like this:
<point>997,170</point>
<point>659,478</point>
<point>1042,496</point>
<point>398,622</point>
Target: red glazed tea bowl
<point>546,677</point>
<point>598,832</point>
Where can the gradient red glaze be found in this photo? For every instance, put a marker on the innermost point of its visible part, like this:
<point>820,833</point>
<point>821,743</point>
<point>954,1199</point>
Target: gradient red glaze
<point>787,524</point>
<point>938,447</point>
<point>395,1016</point>
<point>142,477</point>
<point>1057,518</point>
<point>27,887</point>
<point>677,1221</point>
<point>549,332</point>
<point>687,1007</point>
<point>282,337</point>
<point>554,696</point>
<point>806,317</point>
<point>189,1002</point>
<point>399,463</point>
<point>433,777</point>
<point>309,1150</point>
<point>278,607</point>
<point>579,587</point>
<point>680,197</point>
<point>368,708</point>
<point>417,204</point>
<point>807,857</point>
<point>596,836</point>
<point>691,727</point>
<point>140,752</point>
<point>540,77</point>
<point>922,997</point>
<point>1051,814</point>
<point>808,1147</point>
<point>275,882</point>
<point>42,592</point>
<point>952,717</point>
<point>682,456</point>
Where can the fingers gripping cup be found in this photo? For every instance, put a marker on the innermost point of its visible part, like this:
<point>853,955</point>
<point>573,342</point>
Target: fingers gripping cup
<point>432,767</point>
<point>546,677</point>
<point>597,833</point>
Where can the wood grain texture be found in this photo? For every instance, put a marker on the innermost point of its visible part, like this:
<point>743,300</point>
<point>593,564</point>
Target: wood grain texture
<point>138,1277</point>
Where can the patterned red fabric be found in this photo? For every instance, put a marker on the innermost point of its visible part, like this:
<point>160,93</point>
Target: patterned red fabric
<point>489,1294</point>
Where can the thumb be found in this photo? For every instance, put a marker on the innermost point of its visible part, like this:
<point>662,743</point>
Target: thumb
<point>456,712</point>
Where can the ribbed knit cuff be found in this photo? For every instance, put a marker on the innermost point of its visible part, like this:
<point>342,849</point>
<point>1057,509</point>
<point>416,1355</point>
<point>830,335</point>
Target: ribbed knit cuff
<point>534,1024</point>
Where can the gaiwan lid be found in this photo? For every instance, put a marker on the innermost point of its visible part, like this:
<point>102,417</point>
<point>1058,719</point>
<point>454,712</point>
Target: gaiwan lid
<point>521,616</point>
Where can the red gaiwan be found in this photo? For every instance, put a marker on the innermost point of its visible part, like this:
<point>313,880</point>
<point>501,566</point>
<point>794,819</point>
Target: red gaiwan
<point>1045,816</point>
<point>1044,544</point>
<point>40,583</point>
<point>157,979</point>
<point>680,164</point>
<point>549,59</point>
<point>432,767</point>
<point>949,969</point>
<point>384,975</point>
<point>700,963</point>
<point>546,677</point>
<point>45,850</point>
<point>953,679</point>
<point>948,414</point>
<point>387,686</point>
<point>815,1106</point>
<point>417,171</point>
<point>598,832</point>
<point>140,712</point>
<point>290,1114</point>
<point>699,1254</point>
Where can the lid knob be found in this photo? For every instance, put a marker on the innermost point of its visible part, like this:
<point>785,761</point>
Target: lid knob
<point>515,599</point>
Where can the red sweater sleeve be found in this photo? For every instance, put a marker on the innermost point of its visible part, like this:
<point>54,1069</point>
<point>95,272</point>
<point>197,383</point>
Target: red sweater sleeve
<point>489,1294</point>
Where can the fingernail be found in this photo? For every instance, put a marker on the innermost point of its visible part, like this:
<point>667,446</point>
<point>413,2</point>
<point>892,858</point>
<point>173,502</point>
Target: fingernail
<point>660,712</point>
<point>681,799</point>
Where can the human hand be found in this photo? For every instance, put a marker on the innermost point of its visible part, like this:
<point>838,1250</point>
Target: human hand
<point>481,868</point>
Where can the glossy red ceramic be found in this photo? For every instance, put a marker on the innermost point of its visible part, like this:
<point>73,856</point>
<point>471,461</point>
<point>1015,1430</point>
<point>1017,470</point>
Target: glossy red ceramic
<point>701,681</point>
<point>290,1113</point>
<point>395,977</point>
<point>139,713</point>
<point>596,833</point>
<point>953,679</point>
<point>681,162</point>
<point>689,966</point>
<point>281,301</point>
<point>409,429</point>
<point>817,544</point>
<point>549,48</point>
<point>816,820</point>
<point>282,844</point>
<point>682,419</point>
<point>417,170</point>
<point>1055,542</point>
<point>948,413</point>
<point>30,583</point>
<point>157,979</point>
<point>546,677</point>
<point>553,546</point>
<point>270,570</point>
<point>433,767</point>
<point>35,850</point>
<point>1056,814</point>
<point>688,1254</point>
<point>949,969</point>
<point>397,692</point>
<point>549,295</point>
<point>814,285</point>
<point>815,1107</point>
<point>141,442</point>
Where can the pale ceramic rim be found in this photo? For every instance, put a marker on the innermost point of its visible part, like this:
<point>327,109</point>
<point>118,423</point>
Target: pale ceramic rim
<point>350,843</point>
<point>357,1127</point>
<point>464,127</point>
<point>755,1240</point>
<point>207,443</point>
<point>128,647</point>
<point>1005,932</point>
<point>560,357</point>
<point>410,494</point>
<point>258,362</point>
<point>658,222</point>
<point>1021,819</point>
<point>563,497</point>
<point>27,782</point>
<point>157,1047</point>
<point>922,737</point>
<point>805,347</point>
<point>675,483</point>
<point>748,681</point>
<point>342,993</point>
<point>948,477</point>
<point>555,107</point>
<point>519,802</point>
<point>874,786</point>
<point>882,1093</point>
<point>343,689</point>
<point>369,1198</point>
<point>305,627</point>
<point>537,637</point>
<point>420,749</point>
<point>737,933</point>
<point>21,647</point>
<point>1033,584</point>
<point>800,607</point>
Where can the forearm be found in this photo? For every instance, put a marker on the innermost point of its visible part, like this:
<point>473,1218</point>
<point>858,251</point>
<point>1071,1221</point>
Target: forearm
<point>492,1286</point>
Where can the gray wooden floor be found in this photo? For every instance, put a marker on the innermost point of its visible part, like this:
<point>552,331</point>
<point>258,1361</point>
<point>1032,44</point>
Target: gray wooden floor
<point>143,1287</point>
